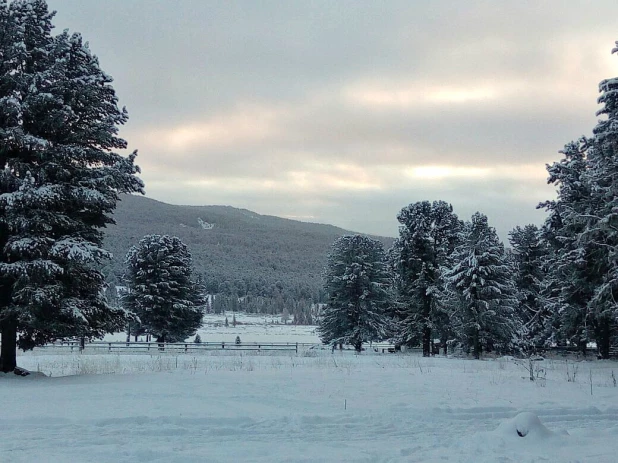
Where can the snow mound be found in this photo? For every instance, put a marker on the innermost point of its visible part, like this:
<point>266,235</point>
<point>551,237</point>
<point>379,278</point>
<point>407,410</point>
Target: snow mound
<point>526,425</point>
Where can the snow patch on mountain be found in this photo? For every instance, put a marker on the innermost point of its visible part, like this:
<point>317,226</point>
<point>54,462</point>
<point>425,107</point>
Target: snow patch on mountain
<point>205,225</point>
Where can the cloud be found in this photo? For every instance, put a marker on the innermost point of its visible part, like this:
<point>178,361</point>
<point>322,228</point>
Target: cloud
<point>416,95</point>
<point>244,126</point>
<point>347,111</point>
<point>507,201</point>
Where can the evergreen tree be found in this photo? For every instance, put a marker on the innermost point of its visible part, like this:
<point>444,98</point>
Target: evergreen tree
<point>357,282</point>
<point>583,225</point>
<point>601,232</point>
<point>481,280</point>
<point>285,316</point>
<point>428,235</point>
<point>529,257</point>
<point>161,290</point>
<point>570,283</point>
<point>60,182</point>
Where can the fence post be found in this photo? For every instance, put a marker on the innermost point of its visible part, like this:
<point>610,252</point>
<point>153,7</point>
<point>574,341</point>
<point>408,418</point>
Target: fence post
<point>297,348</point>
<point>109,347</point>
<point>186,348</point>
<point>222,345</point>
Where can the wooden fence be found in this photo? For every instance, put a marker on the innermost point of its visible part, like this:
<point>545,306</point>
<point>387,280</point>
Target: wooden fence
<point>295,347</point>
<point>173,347</point>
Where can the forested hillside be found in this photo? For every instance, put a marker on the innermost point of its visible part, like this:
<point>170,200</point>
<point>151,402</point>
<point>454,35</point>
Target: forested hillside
<point>270,263</point>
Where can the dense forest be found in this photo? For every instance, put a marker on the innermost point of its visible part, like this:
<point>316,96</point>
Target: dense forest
<point>250,262</point>
<point>454,281</point>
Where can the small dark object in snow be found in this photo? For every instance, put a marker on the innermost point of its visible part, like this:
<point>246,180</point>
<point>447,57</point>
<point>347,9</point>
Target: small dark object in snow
<point>21,372</point>
<point>525,424</point>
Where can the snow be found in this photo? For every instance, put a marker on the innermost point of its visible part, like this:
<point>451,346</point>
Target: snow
<point>205,225</point>
<point>525,424</point>
<point>250,327</point>
<point>318,406</point>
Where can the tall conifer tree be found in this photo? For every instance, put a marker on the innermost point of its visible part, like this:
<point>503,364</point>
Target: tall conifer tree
<point>481,279</point>
<point>583,225</point>
<point>162,291</point>
<point>529,260</point>
<point>428,235</point>
<point>570,283</point>
<point>601,231</point>
<point>357,282</point>
<point>60,182</point>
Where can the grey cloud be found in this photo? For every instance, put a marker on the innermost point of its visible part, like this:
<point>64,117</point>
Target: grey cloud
<point>507,203</point>
<point>203,54</point>
<point>458,135</point>
<point>190,61</point>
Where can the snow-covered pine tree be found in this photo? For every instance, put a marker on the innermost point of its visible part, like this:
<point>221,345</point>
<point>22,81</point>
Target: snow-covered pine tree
<point>481,279</point>
<point>357,282</point>
<point>162,292</point>
<point>60,182</point>
<point>601,233</point>
<point>529,256</point>
<point>9,117</point>
<point>584,224</point>
<point>428,235</point>
<point>569,283</point>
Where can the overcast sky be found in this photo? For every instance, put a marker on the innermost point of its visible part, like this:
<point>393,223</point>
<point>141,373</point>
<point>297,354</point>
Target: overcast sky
<point>344,112</point>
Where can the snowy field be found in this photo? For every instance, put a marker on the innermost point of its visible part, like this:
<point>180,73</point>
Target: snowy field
<point>314,407</point>
<point>250,328</point>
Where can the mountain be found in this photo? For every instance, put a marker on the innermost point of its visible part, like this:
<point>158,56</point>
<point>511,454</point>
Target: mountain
<point>235,251</point>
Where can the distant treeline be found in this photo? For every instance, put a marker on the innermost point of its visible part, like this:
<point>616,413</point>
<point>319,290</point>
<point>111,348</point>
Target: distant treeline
<point>251,262</point>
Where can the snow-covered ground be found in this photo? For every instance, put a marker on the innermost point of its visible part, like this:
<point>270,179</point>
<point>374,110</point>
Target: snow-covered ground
<point>314,407</point>
<point>250,328</point>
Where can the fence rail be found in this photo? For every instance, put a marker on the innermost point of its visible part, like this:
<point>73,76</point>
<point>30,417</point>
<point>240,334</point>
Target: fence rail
<point>175,347</point>
<point>189,347</point>
<point>296,347</point>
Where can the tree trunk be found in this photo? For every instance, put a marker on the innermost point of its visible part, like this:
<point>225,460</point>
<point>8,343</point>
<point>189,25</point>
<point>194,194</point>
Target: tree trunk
<point>489,346</point>
<point>476,343</point>
<point>603,338</point>
<point>8,349</point>
<point>358,346</point>
<point>426,341</point>
<point>161,341</point>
